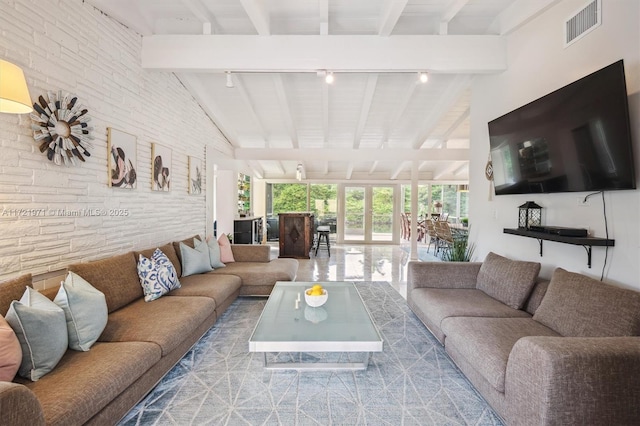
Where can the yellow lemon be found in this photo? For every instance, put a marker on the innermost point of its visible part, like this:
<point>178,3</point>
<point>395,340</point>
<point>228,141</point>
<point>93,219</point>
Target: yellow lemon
<point>317,287</point>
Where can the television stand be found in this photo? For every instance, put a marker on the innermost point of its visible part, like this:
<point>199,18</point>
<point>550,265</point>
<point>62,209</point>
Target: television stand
<point>587,242</point>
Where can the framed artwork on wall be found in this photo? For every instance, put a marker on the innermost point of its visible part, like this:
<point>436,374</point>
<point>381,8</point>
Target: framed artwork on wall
<point>160,168</point>
<point>122,159</point>
<point>195,176</point>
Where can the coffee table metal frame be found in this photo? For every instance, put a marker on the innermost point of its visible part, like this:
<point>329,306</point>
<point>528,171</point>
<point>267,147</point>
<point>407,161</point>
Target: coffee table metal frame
<point>342,324</point>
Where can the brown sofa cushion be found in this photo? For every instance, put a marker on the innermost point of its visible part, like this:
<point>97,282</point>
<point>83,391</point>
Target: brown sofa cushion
<point>165,321</point>
<point>259,273</point>
<point>216,287</point>
<point>13,290</point>
<point>116,277</point>
<point>85,382</point>
<point>169,251</point>
<point>486,343</point>
<point>509,281</point>
<point>578,306</point>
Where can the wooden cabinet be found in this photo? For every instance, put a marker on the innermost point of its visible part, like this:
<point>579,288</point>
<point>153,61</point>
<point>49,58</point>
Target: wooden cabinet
<point>247,230</point>
<point>296,234</point>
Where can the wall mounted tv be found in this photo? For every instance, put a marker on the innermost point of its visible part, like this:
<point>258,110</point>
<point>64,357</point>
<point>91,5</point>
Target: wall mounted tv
<point>577,138</point>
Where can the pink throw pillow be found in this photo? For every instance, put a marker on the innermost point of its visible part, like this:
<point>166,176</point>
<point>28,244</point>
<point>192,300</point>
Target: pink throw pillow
<point>10,352</point>
<point>226,255</point>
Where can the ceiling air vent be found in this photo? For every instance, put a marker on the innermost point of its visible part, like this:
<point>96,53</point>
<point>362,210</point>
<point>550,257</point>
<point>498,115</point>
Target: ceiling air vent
<point>582,22</point>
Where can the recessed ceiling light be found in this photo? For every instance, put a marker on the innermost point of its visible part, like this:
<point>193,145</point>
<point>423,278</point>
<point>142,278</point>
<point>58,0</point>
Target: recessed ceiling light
<point>329,78</point>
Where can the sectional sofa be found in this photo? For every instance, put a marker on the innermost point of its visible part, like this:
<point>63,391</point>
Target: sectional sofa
<point>142,340</point>
<point>558,352</point>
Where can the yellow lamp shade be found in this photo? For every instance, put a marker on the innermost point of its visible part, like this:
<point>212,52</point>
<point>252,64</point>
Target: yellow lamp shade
<point>14,94</point>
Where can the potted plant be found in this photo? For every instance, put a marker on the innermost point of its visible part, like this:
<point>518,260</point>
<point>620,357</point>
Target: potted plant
<point>465,221</point>
<point>460,251</point>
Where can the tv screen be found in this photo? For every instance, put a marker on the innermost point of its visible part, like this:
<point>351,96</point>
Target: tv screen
<point>577,138</point>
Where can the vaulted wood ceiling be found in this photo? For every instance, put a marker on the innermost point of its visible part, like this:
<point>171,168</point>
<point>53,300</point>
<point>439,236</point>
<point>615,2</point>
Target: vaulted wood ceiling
<point>376,117</point>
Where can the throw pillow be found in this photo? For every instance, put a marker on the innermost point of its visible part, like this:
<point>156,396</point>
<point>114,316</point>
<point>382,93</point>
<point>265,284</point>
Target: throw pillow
<point>214,252</point>
<point>85,309</point>
<point>195,260</point>
<point>157,275</point>
<point>10,352</point>
<point>509,281</point>
<point>42,331</point>
<point>226,255</point>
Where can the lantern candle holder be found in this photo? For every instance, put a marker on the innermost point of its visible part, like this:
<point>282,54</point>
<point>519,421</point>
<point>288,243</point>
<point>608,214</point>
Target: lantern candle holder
<point>530,215</point>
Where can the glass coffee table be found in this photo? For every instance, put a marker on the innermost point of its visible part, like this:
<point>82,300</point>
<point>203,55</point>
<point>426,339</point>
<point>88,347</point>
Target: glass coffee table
<point>342,324</point>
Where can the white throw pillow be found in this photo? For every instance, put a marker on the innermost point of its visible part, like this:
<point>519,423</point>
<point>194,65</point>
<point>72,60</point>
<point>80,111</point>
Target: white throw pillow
<point>85,309</point>
<point>42,331</point>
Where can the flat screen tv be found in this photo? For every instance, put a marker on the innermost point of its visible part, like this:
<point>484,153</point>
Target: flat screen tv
<point>577,138</point>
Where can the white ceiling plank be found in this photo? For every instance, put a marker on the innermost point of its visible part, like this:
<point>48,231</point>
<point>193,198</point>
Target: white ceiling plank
<point>198,10</point>
<point>258,15</point>
<point>448,98</point>
<point>399,169</point>
<point>325,168</point>
<point>309,53</point>
<point>278,165</point>
<point>464,168</point>
<point>323,7</point>
<point>127,12</point>
<point>410,89</point>
<point>257,170</point>
<point>285,109</point>
<point>349,173</point>
<point>251,109</point>
<point>519,13</point>
<point>465,114</point>
<point>373,168</point>
<point>347,154</point>
<point>208,104</point>
<point>392,9</point>
<point>369,91</point>
<point>453,10</point>
<point>325,110</point>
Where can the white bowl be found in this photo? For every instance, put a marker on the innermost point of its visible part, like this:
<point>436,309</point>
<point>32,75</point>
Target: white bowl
<point>315,301</point>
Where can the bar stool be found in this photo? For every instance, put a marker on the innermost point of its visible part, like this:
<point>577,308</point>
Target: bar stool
<point>323,233</point>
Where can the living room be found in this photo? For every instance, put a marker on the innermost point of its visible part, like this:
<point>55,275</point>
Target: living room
<point>57,215</point>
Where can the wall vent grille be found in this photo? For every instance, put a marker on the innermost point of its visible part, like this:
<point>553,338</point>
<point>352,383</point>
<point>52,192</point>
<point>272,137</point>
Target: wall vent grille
<point>582,22</point>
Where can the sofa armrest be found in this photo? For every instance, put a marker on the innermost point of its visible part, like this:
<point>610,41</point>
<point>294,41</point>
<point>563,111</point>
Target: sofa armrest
<point>442,274</point>
<point>251,253</point>
<point>573,380</point>
<point>19,406</point>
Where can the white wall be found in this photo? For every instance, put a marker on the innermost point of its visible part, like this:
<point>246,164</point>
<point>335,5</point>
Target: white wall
<point>537,65</point>
<point>68,45</point>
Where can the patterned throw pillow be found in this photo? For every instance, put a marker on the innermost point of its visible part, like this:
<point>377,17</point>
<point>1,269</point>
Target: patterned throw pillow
<point>157,275</point>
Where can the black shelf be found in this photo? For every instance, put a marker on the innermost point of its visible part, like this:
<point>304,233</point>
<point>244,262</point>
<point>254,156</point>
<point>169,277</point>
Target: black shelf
<point>586,242</point>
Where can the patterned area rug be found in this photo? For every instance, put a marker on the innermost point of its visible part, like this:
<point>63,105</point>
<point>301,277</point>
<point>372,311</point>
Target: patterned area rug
<point>412,382</point>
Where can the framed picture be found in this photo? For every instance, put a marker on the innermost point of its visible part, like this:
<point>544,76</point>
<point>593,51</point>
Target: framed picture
<point>195,176</point>
<point>122,159</point>
<point>160,168</point>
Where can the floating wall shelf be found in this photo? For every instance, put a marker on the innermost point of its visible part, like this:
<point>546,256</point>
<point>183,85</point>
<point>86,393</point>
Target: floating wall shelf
<point>586,242</point>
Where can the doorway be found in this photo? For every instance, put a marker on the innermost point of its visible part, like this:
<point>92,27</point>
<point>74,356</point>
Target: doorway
<point>368,213</point>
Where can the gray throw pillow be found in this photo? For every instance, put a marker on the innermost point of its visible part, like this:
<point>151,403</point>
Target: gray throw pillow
<point>214,252</point>
<point>195,260</point>
<point>42,331</point>
<point>85,309</point>
<point>509,281</point>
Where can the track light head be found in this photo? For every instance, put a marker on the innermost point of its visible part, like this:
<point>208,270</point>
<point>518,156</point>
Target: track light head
<point>229,80</point>
<point>329,78</point>
<point>424,77</point>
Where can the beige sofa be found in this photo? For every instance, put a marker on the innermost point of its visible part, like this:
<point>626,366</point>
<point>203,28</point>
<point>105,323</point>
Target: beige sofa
<point>142,340</point>
<point>566,352</point>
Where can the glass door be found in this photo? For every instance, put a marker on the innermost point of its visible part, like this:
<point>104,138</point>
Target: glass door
<point>368,213</point>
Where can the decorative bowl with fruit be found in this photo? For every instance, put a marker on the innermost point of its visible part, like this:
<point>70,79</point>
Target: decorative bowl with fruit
<point>316,296</point>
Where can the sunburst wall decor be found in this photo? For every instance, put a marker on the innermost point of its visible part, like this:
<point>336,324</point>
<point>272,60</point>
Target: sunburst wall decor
<point>60,126</point>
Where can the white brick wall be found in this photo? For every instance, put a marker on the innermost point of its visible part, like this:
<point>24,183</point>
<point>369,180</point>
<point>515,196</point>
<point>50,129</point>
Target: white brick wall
<point>68,45</point>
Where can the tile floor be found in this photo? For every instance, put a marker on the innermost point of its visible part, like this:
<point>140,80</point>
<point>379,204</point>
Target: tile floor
<point>357,262</point>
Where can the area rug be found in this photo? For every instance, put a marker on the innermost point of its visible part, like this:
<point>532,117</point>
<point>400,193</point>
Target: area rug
<point>412,382</point>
